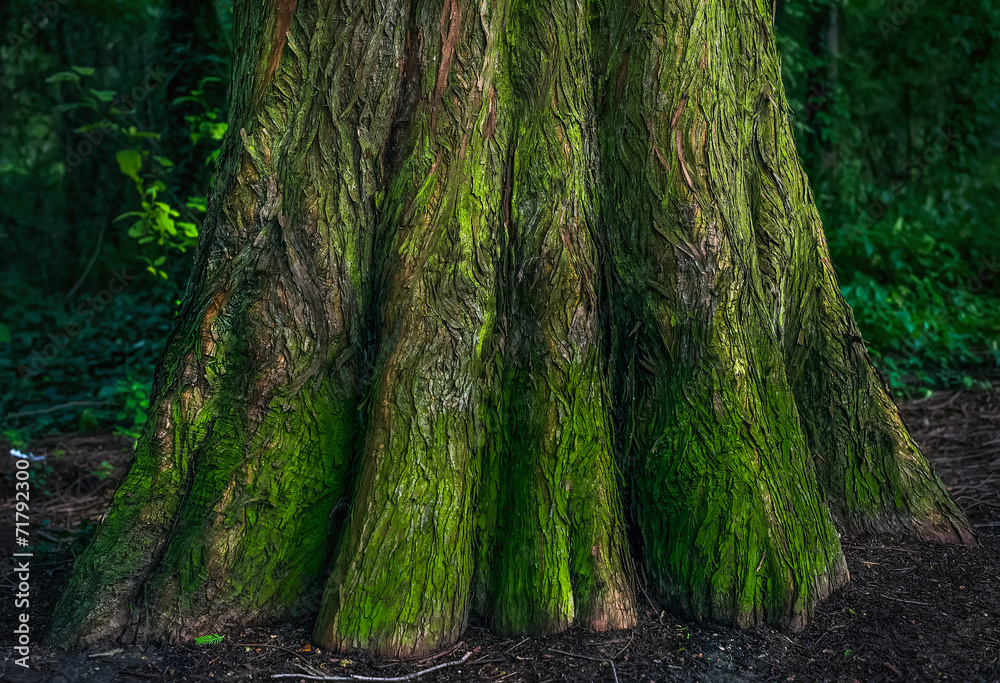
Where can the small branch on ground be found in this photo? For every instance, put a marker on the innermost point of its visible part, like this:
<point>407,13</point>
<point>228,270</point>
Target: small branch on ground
<point>313,674</point>
<point>912,602</point>
<point>515,647</point>
<point>443,653</point>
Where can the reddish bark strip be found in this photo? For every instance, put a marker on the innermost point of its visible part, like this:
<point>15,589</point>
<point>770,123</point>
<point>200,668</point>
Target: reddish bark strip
<point>452,9</point>
<point>283,20</point>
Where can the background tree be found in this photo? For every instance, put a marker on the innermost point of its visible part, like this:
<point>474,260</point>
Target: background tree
<point>396,310</point>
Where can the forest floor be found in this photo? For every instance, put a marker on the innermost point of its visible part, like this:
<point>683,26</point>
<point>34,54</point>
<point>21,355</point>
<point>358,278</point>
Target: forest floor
<point>912,611</point>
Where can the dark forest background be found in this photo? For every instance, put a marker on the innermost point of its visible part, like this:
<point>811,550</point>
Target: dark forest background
<point>112,113</point>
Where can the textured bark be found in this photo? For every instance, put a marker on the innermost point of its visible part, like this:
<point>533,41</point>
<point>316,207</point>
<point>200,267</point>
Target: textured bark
<point>726,499</point>
<point>484,290</point>
<point>223,517</point>
<point>401,580</point>
<point>871,473</point>
<point>560,536</point>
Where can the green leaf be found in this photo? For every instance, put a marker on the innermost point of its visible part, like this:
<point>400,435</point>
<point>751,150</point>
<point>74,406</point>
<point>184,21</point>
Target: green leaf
<point>70,106</point>
<point>217,130</point>
<point>103,95</point>
<point>130,161</point>
<point>83,70</point>
<point>163,223</point>
<point>4,334</point>
<point>88,420</point>
<point>62,76</point>
<point>164,161</point>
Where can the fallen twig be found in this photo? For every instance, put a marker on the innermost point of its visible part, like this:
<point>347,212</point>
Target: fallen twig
<point>912,602</point>
<point>273,647</point>
<point>876,547</point>
<point>631,636</point>
<point>443,653</point>
<point>139,674</point>
<point>71,404</point>
<point>358,677</point>
<point>515,646</point>
<point>109,653</point>
<point>573,654</point>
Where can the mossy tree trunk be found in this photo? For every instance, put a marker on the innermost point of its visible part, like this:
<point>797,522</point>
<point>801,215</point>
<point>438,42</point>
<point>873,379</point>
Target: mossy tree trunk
<point>481,287</point>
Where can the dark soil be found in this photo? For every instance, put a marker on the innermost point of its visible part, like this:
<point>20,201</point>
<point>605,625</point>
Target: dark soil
<point>913,611</point>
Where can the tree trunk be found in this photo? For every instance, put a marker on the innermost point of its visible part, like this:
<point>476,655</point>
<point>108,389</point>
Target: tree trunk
<point>472,276</point>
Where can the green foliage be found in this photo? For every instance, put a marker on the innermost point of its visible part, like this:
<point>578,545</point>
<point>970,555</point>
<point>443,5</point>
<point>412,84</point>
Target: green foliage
<point>895,110</point>
<point>40,472</point>
<point>16,438</point>
<point>154,221</point>
<point>98,350</point>
<point>133,395</point>
<point>208,124</point>
<point>98,121</point>
<point>213,639</point>
<point>105,470</point>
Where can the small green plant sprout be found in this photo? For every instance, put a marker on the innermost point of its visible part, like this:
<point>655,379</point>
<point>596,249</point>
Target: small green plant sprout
<point>104,471</point>
<point>17,438</point>
<point>213,639</point>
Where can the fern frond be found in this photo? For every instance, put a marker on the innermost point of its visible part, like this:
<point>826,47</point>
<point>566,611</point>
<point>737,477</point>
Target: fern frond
<point>213,639</point>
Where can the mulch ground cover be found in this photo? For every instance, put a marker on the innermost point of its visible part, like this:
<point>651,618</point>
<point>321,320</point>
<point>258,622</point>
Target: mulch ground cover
<point>913,611</point>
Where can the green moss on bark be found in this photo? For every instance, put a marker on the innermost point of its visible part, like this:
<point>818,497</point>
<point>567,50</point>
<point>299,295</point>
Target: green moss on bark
<point>560,557</point>
<point>872,475</point>
<point>726,500</point>
<point>401,581</point>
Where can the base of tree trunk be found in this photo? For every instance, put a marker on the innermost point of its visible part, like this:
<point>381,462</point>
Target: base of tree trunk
<point>484,291</point>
